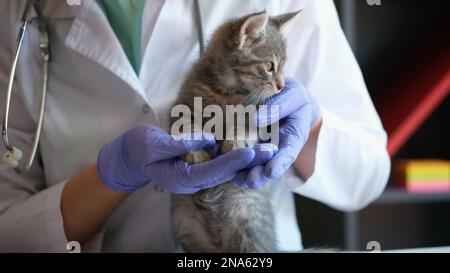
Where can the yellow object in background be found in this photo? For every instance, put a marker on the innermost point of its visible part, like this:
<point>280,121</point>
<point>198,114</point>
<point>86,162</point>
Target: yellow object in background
<point>423,169</point>
<point>422,175</point>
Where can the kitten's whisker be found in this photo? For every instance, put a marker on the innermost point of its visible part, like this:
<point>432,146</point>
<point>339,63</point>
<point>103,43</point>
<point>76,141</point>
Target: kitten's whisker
<point>259,96</point>
<point>252,97</point>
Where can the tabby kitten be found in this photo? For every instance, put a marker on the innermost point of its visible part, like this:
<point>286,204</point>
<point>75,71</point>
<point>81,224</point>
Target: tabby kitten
<point>243,64</point>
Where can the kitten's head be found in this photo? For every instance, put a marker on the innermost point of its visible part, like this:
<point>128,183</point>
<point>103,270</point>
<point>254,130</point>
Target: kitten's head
<point>247,56</point>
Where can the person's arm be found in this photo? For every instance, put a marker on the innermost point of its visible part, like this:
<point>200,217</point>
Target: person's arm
<point>345,163</point>
<point>35,217</point>
<point>30,210</point>
<point>305,162</point>
<point>82,195</point>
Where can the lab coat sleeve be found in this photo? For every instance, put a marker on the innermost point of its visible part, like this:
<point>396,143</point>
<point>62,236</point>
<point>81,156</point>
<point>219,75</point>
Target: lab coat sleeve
<point>30,212</point>
<point>352,165</point>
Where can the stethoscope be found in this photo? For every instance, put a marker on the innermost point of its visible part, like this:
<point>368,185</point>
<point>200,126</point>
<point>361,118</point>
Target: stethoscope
<point>13,154</point>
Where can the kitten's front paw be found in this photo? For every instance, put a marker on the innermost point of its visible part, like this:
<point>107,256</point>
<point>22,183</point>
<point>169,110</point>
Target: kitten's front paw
<point>197,156</point>
<point>231,145</point>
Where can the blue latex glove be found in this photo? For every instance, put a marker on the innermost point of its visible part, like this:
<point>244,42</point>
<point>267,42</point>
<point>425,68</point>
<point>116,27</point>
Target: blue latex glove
<point>298,112</point>
<point>146,154</point>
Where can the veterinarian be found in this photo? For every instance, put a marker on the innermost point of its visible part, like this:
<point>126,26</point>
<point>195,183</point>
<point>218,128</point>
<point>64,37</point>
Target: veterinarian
<point>105,168</point>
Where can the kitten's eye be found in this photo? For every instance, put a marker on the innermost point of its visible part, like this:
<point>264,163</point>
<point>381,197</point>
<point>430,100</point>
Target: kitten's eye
<point>269,66</point>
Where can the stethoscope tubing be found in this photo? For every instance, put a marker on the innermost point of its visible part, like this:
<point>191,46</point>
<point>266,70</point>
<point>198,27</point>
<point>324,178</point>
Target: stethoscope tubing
<point>14,154</point>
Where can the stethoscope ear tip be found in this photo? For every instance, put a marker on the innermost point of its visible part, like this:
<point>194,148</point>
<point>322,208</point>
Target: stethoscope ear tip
<point>11,158</point>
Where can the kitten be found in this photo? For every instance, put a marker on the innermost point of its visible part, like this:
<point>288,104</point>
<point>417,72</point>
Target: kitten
<point>242,65</point>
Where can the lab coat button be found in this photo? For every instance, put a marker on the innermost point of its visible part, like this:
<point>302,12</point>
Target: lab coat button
<point>146,108</point>
<point>158,188</point>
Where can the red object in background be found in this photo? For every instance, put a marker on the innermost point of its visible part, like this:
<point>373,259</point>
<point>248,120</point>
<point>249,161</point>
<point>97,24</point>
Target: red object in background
<point>409,101</point>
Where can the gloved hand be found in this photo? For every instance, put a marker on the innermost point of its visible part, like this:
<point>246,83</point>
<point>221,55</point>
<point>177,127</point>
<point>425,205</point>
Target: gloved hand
<point>146,154</point>
<point>298,112</point>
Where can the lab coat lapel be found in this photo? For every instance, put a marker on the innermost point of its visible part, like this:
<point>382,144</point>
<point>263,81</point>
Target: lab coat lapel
<point>92,36</point>
<point>149,18</point>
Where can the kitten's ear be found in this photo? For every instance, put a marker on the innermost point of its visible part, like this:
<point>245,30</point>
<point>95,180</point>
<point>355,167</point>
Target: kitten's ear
<point>252,30</point>
<point>280,20</point>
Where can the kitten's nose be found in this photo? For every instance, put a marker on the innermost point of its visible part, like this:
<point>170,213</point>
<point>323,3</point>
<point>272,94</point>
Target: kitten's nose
<point>280,84</point>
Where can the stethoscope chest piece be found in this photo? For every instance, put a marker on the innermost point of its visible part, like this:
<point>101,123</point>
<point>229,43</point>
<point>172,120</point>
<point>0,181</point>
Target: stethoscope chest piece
<point>13,157</point>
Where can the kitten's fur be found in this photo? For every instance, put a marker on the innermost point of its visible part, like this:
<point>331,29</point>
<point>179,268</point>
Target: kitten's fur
<point>234,69</point>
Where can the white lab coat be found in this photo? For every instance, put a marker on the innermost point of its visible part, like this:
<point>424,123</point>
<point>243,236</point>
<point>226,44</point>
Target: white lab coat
<point>94,95</point>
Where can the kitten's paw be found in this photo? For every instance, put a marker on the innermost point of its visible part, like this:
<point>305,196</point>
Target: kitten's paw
<point>231,145</point>
<point>197,156</point>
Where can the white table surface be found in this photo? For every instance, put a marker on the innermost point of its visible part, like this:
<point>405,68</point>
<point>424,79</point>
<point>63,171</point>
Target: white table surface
<point>443,249</point>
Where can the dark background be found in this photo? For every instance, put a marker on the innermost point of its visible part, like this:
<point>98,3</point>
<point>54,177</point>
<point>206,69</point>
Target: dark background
<point>386,40</point>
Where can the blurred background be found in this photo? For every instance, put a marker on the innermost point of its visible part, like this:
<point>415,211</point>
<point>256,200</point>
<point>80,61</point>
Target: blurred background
<point>403,48</point>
